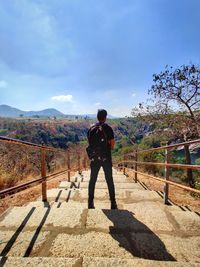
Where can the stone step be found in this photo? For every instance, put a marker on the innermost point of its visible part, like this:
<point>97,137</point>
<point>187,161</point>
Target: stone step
<point>133,217</point>
<point>125,195</point>
<point>62,231</point>
<point>117,262</point>
<point>89,262</point>
<point>74,243</point>
<point>114,171</point>
<point>101,178</point>
<point>74,231</point>
<point>100,184</point>
<point>59,194</point>
<point>81,194</point>
<point>40,262</point>
<point>102,175</point>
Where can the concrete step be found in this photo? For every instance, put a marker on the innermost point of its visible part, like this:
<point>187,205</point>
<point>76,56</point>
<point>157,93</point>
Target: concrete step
<point>101,178</point>
<point>73,231</point>
<point>90,262</point>
<point>108,262</point>
<point>102,175</point>
<point>114,171</point>
<point>81,194</point>
<point>166,218</point>
<point>93,243</point>
<point>62,231</point>
<point>100,184</point>
<point>59,194</point>
<point>125,195</point>
<point>40,262</point>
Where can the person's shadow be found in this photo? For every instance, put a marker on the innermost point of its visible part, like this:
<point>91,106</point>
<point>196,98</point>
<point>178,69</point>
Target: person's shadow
<point>136,237</point>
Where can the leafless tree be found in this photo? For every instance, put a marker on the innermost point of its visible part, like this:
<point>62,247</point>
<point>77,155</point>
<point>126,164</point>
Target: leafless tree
<point>175,104</point>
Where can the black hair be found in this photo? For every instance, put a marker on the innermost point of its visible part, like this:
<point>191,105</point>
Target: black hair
<point>101,114</point>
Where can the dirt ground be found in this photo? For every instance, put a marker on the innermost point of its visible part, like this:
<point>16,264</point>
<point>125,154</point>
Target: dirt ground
<point>177,195</point>
<point>28,195</point>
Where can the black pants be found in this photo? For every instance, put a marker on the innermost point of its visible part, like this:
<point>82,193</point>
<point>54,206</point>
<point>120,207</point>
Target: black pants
<point>107,167</point>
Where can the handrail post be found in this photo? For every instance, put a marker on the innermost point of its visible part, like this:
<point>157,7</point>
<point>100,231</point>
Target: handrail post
<point>167,172</point>
<point>136,158</point>
<point>68,166</point>
<point>124,168</point>
<point>43,174</point>
<point>79,163</point>
<point>85,163</point>
<point>190,178</point>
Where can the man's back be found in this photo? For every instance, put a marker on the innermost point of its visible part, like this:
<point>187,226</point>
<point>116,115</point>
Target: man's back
<point>100,135</point>
<point>101,141</point>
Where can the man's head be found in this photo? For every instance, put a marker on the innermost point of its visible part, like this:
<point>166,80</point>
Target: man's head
<point>101,115</point>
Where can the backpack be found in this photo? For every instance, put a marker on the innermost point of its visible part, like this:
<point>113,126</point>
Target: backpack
<point>98,143</point>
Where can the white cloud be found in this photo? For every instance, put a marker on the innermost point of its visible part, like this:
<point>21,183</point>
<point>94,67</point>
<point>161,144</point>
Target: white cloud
<point>133,95</point>
<point>63,98</point>
<point>3,84</point>
<point>98,104</point>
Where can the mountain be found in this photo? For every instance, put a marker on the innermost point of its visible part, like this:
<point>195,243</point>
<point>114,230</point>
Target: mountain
<point>7,111</point>
<point>93,116</point>
<point>45,113</point>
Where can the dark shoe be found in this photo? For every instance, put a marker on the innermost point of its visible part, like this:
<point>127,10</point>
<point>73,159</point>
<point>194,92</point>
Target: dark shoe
<point>114,205</point>
<point>91,205</point>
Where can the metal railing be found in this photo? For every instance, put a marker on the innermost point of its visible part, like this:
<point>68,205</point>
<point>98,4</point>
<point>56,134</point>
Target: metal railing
<point>167,166</point>
<point>44,177</point>
<point>82,164</point>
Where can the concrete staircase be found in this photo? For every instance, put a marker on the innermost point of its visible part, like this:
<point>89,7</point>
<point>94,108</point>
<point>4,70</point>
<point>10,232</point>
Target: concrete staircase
<point>63,232</point>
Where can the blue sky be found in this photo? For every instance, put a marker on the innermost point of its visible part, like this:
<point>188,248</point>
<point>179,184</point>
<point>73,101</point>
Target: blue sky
<point>78,56</point>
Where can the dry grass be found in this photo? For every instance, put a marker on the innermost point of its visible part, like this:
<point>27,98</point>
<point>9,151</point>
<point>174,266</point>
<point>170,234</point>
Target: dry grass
<point>177,195</point>
<point>28,195</point>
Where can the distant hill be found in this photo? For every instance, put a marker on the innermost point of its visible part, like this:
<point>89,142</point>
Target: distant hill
<point>7,111</point>
<point>93,116</point>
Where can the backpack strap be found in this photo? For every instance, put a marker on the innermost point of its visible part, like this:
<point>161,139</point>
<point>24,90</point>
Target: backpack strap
<point>97,126</point>
<point>89,132</point>
<point>105,135</point>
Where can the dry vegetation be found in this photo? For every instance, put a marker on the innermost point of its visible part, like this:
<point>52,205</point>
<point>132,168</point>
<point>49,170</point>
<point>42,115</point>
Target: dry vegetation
<point>177,195</point>
<point>24,197</point>
<point>19,164</point>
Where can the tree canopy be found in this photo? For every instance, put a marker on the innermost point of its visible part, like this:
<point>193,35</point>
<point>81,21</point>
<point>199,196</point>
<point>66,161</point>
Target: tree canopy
<point>175,101</point>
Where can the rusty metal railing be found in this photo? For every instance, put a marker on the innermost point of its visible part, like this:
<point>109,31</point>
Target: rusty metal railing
<point>167,166</point>
<point>44,177</point>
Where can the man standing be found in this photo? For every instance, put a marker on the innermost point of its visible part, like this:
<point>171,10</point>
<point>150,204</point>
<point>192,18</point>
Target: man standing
<point>101,141</point>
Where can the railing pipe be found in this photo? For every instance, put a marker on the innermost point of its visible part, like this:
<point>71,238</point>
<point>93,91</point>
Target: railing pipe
<point>85,163</point>
<point>25,143</point>
<point>171,165</point>
<point>124,167</point>
<point>167,172</point>
<point>188,143</point>
<point>79,162</point>
<point>68,166</point>
<point>17,188</point>
<point>197,141</point>
<point>189,171</point>
<point>193,190</point>
<point>136,165</point>
<point>43,174</point>
<point>44,177</point>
